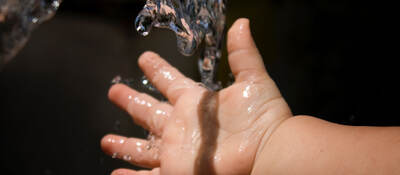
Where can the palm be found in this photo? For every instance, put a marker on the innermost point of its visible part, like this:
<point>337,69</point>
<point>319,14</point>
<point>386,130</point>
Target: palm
<point>200,132</point>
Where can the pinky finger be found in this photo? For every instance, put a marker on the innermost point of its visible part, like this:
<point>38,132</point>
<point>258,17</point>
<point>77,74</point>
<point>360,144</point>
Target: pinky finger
<point>155,171</point>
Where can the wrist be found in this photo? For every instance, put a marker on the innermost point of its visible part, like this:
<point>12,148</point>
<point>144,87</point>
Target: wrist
<point>259,165</point>
<point>268,134</point>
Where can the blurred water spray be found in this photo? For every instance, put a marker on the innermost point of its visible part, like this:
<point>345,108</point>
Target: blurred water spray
<point>17,20</point>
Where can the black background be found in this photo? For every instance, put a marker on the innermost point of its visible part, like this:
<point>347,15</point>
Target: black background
<point>328,58</point>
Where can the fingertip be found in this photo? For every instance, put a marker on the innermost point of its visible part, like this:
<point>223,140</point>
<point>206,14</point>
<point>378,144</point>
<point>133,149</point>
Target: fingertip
<point>103,143</point>
<point>245,60</point>
<point>121,95</point>
<point>239,35</point>
<point>146,58</point>
<point>113,145</point>
<point>113,91</point>
<point>106,142</point>
<point>122,172</point>
<point>239,24</point>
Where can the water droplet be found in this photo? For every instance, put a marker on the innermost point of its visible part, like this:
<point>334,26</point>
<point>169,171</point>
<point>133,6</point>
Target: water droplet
<point>127,157</point>
<point>195,136</point>
<point>55,4</point>
<point>146,83</point>
<point>140,101</point>
<point>116,80</point>
<point>35,20</point>
<point>217,158</point>
<point>151,141</point>
<point>246,92</point>
<point>250,109</point>
<point>167,75</point>
<point>145,33</point>
<point>119,80</point>
<point>160,112</point>
<point>115,155</point>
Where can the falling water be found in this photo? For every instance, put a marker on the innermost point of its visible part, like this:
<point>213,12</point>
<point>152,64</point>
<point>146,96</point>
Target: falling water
<point>193,21</point>
<point>17,20</point>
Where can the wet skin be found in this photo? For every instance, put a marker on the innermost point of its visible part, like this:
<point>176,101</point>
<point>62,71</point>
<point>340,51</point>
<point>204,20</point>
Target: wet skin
<point>198,131</point>
<point>209,125</point>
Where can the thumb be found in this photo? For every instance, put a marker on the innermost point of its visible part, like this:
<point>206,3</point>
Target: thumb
<point>244,58</point>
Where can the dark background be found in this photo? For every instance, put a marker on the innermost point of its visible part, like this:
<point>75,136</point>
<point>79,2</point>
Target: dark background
<point>326,57</point>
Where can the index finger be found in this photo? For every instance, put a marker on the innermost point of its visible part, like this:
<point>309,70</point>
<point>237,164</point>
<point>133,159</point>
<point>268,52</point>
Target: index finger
<point>167,79</point>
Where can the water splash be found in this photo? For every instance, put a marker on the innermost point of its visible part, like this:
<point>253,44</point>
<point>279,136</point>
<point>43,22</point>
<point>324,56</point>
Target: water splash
<point>193,21</point>
<point>151,141</point>
<point>147,84</point>
<point>17,20</point>
<point>119,80</point>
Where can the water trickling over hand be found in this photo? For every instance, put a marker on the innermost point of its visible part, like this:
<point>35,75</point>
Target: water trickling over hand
<point>193,22</point>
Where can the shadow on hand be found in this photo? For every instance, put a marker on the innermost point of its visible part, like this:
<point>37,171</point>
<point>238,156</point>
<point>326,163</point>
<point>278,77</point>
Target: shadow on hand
<point>207,113</point>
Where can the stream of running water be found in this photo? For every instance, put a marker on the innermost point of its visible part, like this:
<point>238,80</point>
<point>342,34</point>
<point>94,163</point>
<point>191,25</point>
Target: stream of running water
<point>194,22</point>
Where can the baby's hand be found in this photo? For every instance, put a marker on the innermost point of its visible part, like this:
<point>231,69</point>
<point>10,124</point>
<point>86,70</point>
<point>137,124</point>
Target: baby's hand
<point>199,131</point>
